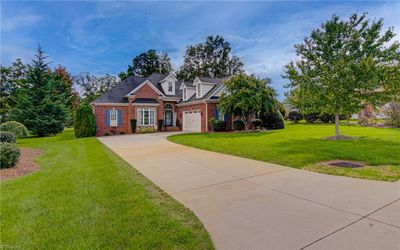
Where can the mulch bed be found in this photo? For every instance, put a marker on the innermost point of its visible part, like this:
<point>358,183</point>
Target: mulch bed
<point>25,165</point>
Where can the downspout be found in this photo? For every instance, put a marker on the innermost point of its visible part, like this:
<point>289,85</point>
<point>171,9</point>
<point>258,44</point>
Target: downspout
<point>206,116</point>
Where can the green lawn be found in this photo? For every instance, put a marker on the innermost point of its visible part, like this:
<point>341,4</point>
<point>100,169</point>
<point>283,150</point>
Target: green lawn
<point>303,146</point>
<point>85,197</point>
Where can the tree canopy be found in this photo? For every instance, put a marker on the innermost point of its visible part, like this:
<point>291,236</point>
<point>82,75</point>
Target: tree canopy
<point>247,97</point>
<point>148,63</point>
<point>93,86</point>
<point>343,66</point>
<point>13,78</point>
<point>212,58</point>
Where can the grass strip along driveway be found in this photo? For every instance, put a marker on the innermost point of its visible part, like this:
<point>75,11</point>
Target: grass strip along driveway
<point>303,146</point>
<point>85,197</point>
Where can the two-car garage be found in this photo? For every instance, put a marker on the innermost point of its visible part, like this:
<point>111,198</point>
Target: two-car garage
<point>191,121</point>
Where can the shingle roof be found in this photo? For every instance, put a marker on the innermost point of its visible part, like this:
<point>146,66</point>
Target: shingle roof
<point>219,82</point>
<point>118,93</point>
<point>213,80</point>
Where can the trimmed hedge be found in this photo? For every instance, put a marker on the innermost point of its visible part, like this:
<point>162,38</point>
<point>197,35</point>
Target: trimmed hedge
<point>18,129</point>
<point>85,122</point>
<point>238,125</point>
<point>6,136</point>
<point>311,118</point>
<point>295,116</point>
<point>9,154</point>
<point>273,120</point>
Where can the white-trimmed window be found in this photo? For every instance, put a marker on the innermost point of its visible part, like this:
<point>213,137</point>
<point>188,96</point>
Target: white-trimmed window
<point>146,116</point>
<point>168,107</point>
<point>198,88</point>
<point>184,94</point>
<point>113,118</point>
<point>170,87</point>
<point>221,116</point>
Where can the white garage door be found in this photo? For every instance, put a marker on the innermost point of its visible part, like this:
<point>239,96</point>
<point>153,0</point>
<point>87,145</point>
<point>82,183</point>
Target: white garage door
<point>192,121</point>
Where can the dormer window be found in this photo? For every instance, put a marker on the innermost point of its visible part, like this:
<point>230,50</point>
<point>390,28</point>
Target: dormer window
<point>170,87</point>
<point>184,94</point>
<point>198,89</point>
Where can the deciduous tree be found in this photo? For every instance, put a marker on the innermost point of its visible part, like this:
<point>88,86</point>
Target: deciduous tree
<point>93,86</point>
<point>247,97</point>
<point>343,66</point>
<point>212,58</point>
<point>148,63</point>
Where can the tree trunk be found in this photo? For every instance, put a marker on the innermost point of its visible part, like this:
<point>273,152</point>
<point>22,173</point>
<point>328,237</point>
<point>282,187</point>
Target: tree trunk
<point>348,120</point>
<point>337,132</point>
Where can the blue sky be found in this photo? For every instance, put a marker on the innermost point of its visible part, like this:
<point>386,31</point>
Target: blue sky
<point>103,37</point>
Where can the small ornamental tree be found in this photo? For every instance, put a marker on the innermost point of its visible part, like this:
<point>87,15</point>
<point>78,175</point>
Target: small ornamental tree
<point>246,97</point>
<point>343,66</point>
<point>85,122</point>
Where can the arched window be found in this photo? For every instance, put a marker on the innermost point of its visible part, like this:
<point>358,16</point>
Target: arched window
<point>168,107</point>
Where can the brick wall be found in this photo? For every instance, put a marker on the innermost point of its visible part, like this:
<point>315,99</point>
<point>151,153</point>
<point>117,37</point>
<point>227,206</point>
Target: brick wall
<point>100,113</point>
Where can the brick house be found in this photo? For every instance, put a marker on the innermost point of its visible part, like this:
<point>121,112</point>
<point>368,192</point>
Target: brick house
<point>181,105</point>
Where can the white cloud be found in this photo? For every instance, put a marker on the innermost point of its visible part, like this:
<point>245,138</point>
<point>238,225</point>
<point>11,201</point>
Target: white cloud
<point>10,52</point>
<point>12,23</point>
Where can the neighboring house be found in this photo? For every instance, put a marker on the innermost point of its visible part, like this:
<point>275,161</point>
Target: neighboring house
<point>182,105</point>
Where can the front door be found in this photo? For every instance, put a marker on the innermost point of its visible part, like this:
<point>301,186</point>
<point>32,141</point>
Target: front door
<point>168,118</point>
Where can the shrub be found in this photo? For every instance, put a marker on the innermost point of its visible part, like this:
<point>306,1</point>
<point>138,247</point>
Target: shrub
<point>219,126</point>
<point>273,120</point>
<point>311,118</point>
<point>85,122</point>
<point>160,125</point>
<point>393,114</point>
<point>147,130</point>
<point>122,133</point>
<point>238,125</point>
<point>257,123</point>
<point>212,122</point>
<point>294,116</point>
<point>18,129</point>
<point>282,109</point>
<point>327,118</point>
<point>6,136</point>
<point>106,134</point>
<point>133,125</point>
<point>9,154</point>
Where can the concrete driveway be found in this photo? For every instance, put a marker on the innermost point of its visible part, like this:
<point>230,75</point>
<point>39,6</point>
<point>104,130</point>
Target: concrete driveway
<point>247,204</point>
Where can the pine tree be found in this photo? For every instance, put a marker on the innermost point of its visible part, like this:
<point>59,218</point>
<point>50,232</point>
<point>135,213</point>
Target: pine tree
<point>39,108</point>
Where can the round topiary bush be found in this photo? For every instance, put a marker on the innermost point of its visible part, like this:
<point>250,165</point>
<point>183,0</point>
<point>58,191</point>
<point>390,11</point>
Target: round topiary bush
<point>273,120</point>
<point>295,116</point>
<point>238,125</point>
<point>18,129</point>
<point>9,154</point>
<point>85,122</point>
<point>6,136</point>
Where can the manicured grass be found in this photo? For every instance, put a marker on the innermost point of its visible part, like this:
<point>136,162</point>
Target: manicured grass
<point>85,197</point>
<point>303,146</point>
